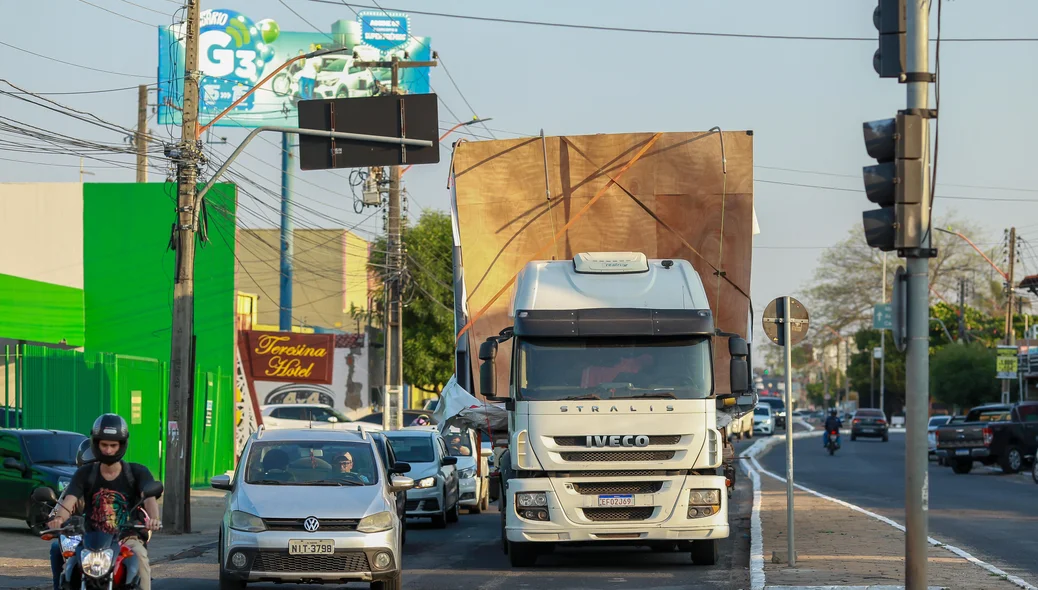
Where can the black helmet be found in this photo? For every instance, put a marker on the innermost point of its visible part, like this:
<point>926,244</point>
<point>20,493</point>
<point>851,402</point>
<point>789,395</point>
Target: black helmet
<point>832,412</point>
<point>110,427</point>
<point>85,454</point>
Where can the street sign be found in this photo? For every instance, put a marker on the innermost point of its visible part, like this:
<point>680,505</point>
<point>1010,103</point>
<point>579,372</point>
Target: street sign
<point>411,116</point>
<point>877,353</point>
<point>798,324</point>
<point>1006,362</point>
<point>882,317</point>
<point>899,307</point>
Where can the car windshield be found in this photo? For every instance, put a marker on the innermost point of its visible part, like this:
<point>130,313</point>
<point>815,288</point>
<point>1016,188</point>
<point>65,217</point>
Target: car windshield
<point>761,411</point>
<point>299,463</point>
<point>56,449</point>
<point>412,449</point>
<point>334,65</point>
<point>560,369</point>
<point>938,420</point>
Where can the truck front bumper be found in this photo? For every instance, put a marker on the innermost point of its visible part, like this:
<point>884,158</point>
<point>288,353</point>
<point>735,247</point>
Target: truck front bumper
<point>669,520</point>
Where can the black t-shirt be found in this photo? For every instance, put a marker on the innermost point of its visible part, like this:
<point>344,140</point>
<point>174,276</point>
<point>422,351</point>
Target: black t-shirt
<point>108,504</point>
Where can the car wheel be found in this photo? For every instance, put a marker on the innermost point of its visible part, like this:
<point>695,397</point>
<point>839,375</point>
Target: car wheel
<point>886,438</point>
<point>440,520</point>
<point>227,582</point>
<point>403,531</point>
<point>393,583</point>
<point>853,437</point>
<point>455,512</point>
<point>485,504</point>
<point>704,552</point>
<point>1012,460</point>
<point>962,466</point>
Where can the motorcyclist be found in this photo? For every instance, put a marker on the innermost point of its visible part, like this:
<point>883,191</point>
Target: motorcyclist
<point>110,488</point>
<point>57,560</point>
<point>832,423</point>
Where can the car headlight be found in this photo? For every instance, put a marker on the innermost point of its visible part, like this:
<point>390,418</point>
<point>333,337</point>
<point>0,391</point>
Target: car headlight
<point>96,563</point>
<point>63,483</point>
<point>527,499</point>
<point>376,523</point>
<point>467,473</point>
<point>243,521</point>
<point>426,483</point>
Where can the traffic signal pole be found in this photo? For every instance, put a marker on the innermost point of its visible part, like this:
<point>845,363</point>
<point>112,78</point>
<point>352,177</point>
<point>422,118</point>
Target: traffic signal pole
<point>917,378</point>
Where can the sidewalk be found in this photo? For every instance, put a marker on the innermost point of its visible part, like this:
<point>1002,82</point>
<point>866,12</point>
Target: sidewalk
<point>25,562</point>
<point>837,546</point>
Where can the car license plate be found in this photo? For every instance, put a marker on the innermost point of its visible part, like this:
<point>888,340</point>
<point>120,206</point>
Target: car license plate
<point>311,547</point>
<point>616,500</point>
<point>962,451</point>
<point>868,430</point>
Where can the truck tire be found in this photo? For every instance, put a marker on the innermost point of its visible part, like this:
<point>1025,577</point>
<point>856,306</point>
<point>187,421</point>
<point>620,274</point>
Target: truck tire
<point>522,554</point>
<point>704,552</point>
<point>1012,460</point>
<point>962,466</point>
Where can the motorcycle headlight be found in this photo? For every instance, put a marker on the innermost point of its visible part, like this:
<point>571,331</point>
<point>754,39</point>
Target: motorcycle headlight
<point>426,483</point>
<point>243,521</point>
<point>96,563</point>
<point>467,473</point>
<point>376,523</point>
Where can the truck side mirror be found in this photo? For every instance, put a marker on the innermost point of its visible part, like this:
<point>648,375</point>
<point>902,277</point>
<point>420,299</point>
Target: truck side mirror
<point>488,369</point>
<point>739,368</point>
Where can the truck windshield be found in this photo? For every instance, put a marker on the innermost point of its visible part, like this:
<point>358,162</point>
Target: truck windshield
<point>556,369</point>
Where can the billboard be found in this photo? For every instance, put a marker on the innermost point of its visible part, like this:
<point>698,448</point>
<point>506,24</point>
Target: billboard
<point>237,52</point>
<point>289,357</point>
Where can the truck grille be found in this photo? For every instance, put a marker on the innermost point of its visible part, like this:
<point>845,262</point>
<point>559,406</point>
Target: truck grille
<point>618,514</point>
<point>296,524</point>
<point>281,561</point>
<point>593,456</point>
<point>581,441</point>
<point>617,487</point>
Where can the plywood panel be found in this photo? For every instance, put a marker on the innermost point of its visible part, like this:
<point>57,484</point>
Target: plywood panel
<point>504,218</point>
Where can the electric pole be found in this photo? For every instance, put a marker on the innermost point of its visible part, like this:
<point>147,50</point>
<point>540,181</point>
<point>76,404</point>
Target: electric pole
<point>142,133</point>
<point>962,310</point>
<point>394,340</point>
<point>1010,333</point>
<point>181,370</point>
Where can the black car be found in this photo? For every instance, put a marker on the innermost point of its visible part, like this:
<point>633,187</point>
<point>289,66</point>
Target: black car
<point>870,423</point>
<point>34,459</point>
<point>385,450</point>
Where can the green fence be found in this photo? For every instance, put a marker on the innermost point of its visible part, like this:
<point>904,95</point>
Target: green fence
<point>66,390</point>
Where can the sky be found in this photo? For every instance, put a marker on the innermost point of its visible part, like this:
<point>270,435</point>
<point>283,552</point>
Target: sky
<point>805,101</point>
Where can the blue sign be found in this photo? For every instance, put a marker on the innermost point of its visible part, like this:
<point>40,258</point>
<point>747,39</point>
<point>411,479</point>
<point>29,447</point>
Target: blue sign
<point>882,317</point>
<point>383,30</point>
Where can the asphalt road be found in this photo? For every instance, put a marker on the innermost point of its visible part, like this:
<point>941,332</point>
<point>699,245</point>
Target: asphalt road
<point>991,515</point>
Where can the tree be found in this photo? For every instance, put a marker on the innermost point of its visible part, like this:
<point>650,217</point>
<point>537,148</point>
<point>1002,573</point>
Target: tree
<point>865,382</point>
<point>428,299</point>
<point>964,376</point>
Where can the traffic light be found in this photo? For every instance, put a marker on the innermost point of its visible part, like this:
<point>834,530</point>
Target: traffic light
<point>895,183</point>
<point>889,18</point>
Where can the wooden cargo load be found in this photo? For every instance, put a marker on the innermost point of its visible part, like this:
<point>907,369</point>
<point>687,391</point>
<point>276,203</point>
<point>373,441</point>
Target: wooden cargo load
<point>667,195</point>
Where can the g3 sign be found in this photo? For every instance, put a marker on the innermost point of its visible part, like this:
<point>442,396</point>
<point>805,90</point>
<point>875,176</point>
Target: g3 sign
<point>233,52</point>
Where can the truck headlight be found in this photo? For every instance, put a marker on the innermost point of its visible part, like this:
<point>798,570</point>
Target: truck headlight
<point>96,563</point>
<point>467,473</point>
<point>243,521</point>
<point>703,503</point>
<point>530,499</point>
<point>376,523</point>
<point>426,483</point>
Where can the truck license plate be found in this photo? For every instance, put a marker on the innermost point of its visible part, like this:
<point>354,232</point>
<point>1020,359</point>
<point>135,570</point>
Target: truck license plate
<point>616,500</point>
<point>962,451</point>
<point>311,547</point>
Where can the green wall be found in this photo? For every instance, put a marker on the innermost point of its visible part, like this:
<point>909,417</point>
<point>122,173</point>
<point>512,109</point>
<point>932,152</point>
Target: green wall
<point>128,283</point>
<point>40,312</point>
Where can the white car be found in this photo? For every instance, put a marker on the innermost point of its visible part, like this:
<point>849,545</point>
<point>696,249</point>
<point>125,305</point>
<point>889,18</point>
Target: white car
<point>339,78</point>
<point>763,420</point>
<point>472,480</point>
<point>931,430</point>
<point>276,416</point>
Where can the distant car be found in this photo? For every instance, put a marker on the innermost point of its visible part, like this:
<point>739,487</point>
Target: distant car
<point>763,420</point>
<point>409,417</point>
<point>436,489</point>
<point>931,429</point>
<point>385,450</point>
<point>34,459</point>
<point>311,505</point>
<point>870,423</point>
<point>309,416</point>
<point>778,410</point>
<point>473,472</point>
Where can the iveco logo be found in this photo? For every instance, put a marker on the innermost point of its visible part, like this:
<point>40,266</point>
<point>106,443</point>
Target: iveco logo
<point>311,524</point>
<point>617,440</point>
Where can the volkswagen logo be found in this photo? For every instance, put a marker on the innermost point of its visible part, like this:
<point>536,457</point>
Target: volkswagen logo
<point>311,524</point>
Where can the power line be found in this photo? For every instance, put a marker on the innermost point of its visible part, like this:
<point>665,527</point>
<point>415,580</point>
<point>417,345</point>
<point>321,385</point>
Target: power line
<point>68,63</point>
<point>856,190</point>
<point>145,7</point>
<point>514,21</point>
<point>117,13</point>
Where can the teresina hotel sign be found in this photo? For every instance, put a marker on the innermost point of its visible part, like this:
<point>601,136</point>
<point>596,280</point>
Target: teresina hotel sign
<point>290,357</point>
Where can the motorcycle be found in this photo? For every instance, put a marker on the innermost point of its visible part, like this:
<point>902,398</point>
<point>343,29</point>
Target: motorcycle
<point>100,560</point>
<point>833,445</point>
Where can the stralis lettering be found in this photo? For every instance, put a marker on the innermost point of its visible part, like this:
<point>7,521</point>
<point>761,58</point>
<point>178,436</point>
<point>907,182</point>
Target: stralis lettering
<point>581,408</point>
<point>289,357</point>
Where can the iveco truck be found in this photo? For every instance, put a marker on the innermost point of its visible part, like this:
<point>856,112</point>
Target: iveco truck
<point>612,429</point>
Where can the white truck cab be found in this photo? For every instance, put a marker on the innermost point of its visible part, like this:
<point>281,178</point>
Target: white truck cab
<point>612,409</point>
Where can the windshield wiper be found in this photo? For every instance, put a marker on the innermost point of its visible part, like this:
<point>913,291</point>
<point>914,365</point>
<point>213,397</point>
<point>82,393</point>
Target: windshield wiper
<point>268,482</point>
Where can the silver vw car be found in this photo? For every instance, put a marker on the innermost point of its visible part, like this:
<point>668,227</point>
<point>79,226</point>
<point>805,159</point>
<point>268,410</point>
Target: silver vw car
<point>434,471</point>
<point>311,506</point>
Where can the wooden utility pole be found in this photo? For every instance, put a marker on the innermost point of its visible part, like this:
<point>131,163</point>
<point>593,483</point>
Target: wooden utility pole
<point>1010,334</point>
<point>142,133</point>
<point>181,369</point>
<point>394,345</point>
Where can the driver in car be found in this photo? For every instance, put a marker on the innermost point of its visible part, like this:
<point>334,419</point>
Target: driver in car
<point>345,465</point>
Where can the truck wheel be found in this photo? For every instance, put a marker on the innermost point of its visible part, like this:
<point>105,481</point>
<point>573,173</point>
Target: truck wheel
<point>1012,461</point>
<point>962,466</point>
<point>522,554</point>
<point>704,552</point>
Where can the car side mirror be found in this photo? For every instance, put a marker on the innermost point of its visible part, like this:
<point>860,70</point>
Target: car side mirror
<point>221,482</point>
<point>400,467</point>
<point>449,461</point>
<point>152,489</point>
<point>400,483</point>
<point>15,465</point>
<point>332,419</point>
<point>44,495</point>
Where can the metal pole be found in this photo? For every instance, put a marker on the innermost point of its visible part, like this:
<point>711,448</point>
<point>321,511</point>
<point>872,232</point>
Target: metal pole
<point>872,379</point>
<point>917,374</point>
<point>1010,332</point>
<point>142,133</point>
<point>287,235</point>
<point>396,295</point>
<point>387,401</point>
<point>786,336</point>
<point>181,373</point>
<point>883,348</point>
<point>962,311</point>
